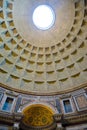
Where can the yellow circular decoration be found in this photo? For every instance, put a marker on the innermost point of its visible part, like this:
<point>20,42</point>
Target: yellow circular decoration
<point>37,115</point>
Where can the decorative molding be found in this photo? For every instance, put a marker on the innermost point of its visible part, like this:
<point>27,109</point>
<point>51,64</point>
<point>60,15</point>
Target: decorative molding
<point>46,94</point>
<point>80,91</point>
<point>52,126</point>
<point>65,120</point>
<point>74,119</point>
<point>12,93</point>
<point>10,117</point>
<point>81,101</point>
<point>71,119</point>
<point>1,96</point>
<point>57,117</point>
<point>65,96</point>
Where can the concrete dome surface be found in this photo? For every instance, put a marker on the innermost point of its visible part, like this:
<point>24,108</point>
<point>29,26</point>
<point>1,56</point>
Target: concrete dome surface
<point>43,62</point>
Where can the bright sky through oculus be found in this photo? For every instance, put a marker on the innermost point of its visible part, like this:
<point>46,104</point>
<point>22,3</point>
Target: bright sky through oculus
<point>43,17</point>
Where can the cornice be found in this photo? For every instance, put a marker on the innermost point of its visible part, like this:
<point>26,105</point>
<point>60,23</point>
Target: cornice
<point>65,120</point>
<point>84,85</point>
<point>76,119</point>
<point>71,119</point>
<point>10,117</point>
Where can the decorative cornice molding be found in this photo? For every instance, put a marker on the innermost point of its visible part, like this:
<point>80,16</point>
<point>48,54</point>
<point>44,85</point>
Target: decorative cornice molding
<point>12,93</point>
<point>70,119</point>
<point>10,117</point>
<point>65,96</point>
<point>73,119</point>
<point>65,120</point>
<point>84,85</point>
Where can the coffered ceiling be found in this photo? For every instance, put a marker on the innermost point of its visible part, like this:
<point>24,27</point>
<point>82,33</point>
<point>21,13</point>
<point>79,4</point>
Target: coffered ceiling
<point>43,62</point>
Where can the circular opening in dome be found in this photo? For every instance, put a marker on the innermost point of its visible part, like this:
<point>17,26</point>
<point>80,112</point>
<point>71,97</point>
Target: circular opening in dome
<point>43,17</point>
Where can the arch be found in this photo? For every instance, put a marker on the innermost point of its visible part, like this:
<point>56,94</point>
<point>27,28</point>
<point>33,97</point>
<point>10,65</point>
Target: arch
<point>53,108</point>
<point>38,115</point>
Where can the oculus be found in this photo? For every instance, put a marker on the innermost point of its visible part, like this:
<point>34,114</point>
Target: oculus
<point>43,17</point>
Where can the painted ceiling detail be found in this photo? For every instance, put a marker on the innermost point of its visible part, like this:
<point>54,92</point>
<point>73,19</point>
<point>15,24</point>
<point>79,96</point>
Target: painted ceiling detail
<point>37,115</point>
<point>44,62</point>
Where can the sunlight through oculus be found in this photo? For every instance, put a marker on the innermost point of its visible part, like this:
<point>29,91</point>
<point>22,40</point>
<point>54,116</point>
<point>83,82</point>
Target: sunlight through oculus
<point>43,17</point>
